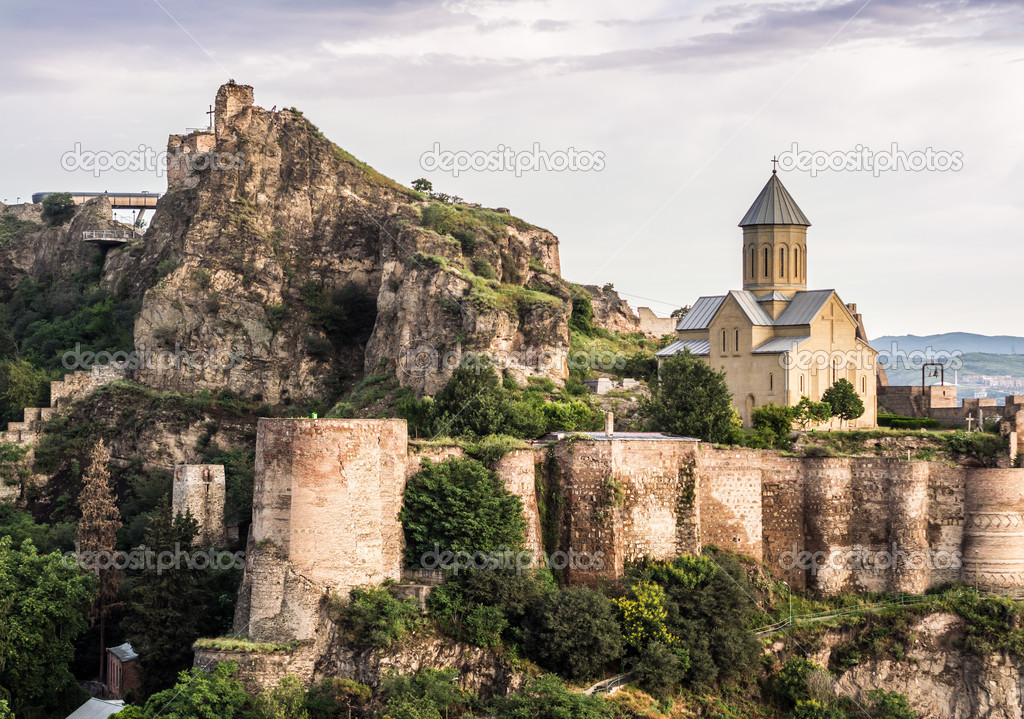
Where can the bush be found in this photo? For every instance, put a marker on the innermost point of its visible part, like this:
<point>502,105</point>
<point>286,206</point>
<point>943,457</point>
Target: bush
<point>581,319</point>
<point>546,696</point>
<point>459,506</point>
<point>774,423</point>
<point>789,685</point>
<point>574,631</point>
<point>467,240</point>
<point>471,403</point>
<point>428,692</point>
<point>483,268</point>
<point>377,618</point>
<point>661,666</point>
<point>899,422</point>
<point>843,400</point>
<point>58,208</point>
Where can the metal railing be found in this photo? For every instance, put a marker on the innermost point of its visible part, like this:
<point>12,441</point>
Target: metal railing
<point>115,235</point>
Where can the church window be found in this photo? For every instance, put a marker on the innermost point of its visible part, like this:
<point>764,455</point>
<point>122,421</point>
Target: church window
<point>782,262</point>
<point>723,341</point>
<point>771,382</point>
<point>753,262</point>
<point>766,260</point>
<point>863,385</point>
<point>737,332</point>
<point>796,262</point>
<point>801,383</point>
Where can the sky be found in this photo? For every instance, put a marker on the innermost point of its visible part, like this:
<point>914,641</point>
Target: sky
<point>673,112</point>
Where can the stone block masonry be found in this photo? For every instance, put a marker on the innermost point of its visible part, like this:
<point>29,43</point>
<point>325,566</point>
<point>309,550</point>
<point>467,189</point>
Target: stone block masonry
<point>328,493</point>
<point>200,489</point>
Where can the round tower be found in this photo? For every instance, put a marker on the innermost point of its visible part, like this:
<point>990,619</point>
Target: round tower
<point>993,549</point>
<point>774,242</point>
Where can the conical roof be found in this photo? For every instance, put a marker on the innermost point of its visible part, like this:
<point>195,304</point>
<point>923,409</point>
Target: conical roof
<point>774,206</point>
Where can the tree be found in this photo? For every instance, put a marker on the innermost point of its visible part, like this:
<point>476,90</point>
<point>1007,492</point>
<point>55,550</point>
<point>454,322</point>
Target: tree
<point>680,312</point>
<point>692,399</point>
<point>22,384</point>
<point>471,403</point>
<point>97,535</point>
<point>661,666</point>
<point>807,412</point>
<point>197,695</point>
<point>285,701</point>
<point>422,185</point>
<point>58,208</point>
<point>547,696</point>
<point>459,506</point>
<point>332,694</point>
<point>43,601</point>
<point>374,617</point>
<point>843,400</point>
<point>165,614</point>
<point>773,423</point>
<point>575,631</point>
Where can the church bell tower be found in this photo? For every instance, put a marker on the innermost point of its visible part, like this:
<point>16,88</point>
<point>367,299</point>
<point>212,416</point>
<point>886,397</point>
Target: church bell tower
<point>774,242</point>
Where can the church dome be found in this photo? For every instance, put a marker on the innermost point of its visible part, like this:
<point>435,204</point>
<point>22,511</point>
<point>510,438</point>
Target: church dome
<point>774,206</point>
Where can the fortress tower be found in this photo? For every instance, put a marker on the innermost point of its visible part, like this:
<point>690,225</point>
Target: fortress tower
<point>774,242</point>
<point>199,489</point>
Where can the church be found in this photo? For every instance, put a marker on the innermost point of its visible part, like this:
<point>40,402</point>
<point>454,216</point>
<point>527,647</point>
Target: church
<point>776,340</point>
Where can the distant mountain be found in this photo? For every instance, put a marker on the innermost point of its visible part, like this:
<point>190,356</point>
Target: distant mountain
<point>944,344</point>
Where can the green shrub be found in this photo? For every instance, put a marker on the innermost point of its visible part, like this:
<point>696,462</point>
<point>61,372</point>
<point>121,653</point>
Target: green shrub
<point>661,666</point>
<point>581,319</point>
<point>461,506</point>
<point>575,632</point>
<point>467,240</point>
<point>377,618</point>
<point>692,399</point>
<point>547,696</point>
<point>775,422</point>
<point>483,268</point>
<point>899,422</point>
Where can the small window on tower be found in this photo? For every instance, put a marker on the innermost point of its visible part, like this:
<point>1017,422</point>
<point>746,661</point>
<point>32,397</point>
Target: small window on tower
<point>737,340</point>
<point>771,382</point>
<point>766,259</point>
<point>782,262</point>
<point>723,341</point>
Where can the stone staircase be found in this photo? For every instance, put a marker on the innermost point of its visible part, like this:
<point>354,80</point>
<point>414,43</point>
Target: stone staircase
<point>28,430</point>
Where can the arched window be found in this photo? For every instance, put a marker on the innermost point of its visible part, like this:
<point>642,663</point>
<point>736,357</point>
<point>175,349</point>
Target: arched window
<point>737,340</point>
<point>796,263</point>
<point>723,341</point>
<point>767,259</point>
<point>835,370</point>
<point>863,385</point>
<point>782,262</point>
<point>771,382</point>
<point>801,383</point>
<point>753,262</point>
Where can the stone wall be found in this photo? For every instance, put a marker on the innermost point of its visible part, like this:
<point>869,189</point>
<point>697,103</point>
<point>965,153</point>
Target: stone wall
<point>651,324</point>
<point>80,384</point>
<point>199,489</point>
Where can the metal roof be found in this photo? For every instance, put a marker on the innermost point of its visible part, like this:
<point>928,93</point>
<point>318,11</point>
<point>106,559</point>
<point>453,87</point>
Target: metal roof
<point>601,436</point>
<point>775,296</point>
<point>97,709</point>
<point>778,344</point>
<point>124,652</point>
<point>701,348</point>
<point>754,312</point>
<point>700,315</point>
<point>804,307</point>
<point>774,206</point>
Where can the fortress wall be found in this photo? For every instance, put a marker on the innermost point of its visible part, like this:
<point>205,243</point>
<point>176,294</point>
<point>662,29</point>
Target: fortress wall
<point>590,524</point>
<point>782,518</point>
<point>945,522</point>
<point>908,522</point>
<point>730,498</point>
<point>325,517</point>
<point>993,549</point>
<point>199,489</point>
<point>516,470</point>
<point>658,480</point>
<point>828,511</point>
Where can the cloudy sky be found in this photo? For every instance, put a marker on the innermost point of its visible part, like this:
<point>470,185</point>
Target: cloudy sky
<point>686,102</point>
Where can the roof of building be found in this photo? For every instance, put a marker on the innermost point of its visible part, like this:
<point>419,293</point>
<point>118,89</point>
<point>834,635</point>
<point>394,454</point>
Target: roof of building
<point>774,206</point>
<point>775,296</point>
<point>699,316</point>
<point>650,436</point>
<point>701,348</point>
<point>748,303</point>
<point>804,307</point>
<point>124,652</point>
<point>777,345</point>
<point>97,709</point>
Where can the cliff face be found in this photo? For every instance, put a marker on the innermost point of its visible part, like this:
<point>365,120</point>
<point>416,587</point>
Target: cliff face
<point>270,228</point>
<point>940,679</point>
